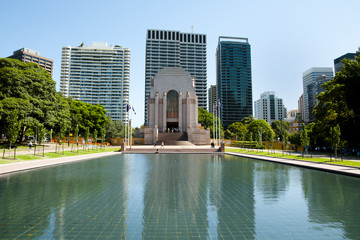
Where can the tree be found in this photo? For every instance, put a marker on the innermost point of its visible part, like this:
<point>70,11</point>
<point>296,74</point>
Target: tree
<point>338,104</point>
<point>206,120</point>
<point>95,134</point>
<point>295,138</point>
<point>280,128</point>
<point>28,88</point>
<point>114,129</point>
<point>334,137</point>
<point>271,138</point>
<point>237,131</point>
<point>304,138</point>
<point>260,125</point>
<point>86,135</point>
<point>13,127</point>
<point>247,120</point>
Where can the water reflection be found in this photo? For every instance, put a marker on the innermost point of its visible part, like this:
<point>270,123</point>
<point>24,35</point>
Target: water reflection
<point>192,196</point>
<point>334,202</point>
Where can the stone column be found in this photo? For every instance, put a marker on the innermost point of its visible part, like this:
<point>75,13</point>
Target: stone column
<point>196,111</point>
<point>188,118</point>
<point>156,117</point>
<point>164,112</point>
<point>180,111</point>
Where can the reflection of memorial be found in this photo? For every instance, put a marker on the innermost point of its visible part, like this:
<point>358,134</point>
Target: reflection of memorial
<point>173,107</point>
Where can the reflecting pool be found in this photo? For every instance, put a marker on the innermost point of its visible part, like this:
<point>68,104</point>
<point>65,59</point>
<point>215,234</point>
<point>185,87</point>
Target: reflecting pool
<point>178,196</point>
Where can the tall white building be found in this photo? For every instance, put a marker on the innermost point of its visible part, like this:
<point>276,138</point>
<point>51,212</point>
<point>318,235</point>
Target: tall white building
<point>176,49</point>
<point>97,74</point>
<point>269,107</point>
<point>312,81</point>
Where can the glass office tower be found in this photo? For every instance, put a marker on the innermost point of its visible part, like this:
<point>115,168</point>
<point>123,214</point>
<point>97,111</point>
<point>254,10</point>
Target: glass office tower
<point>233,79</point>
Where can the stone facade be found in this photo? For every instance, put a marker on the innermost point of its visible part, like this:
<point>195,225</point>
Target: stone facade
<point>173,106</point>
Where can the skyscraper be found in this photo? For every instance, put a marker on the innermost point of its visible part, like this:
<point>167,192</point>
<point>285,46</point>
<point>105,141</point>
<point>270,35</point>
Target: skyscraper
<point>212,97</point>
<point>269,107</point>
<point>28,55</point>
<point>176,49</point>
<point>97,74</point>
<point>337,61</point>
<point>312,81</point>
<point>233,79</point>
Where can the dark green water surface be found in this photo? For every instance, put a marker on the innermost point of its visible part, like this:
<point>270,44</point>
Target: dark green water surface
<point>178,196</point>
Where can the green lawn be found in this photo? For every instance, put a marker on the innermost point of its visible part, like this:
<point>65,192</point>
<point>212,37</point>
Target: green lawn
<point>29,157</point>
<point>296,157</point>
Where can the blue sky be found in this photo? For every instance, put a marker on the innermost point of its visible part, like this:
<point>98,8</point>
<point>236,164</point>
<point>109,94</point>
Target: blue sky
<point>287,37</point>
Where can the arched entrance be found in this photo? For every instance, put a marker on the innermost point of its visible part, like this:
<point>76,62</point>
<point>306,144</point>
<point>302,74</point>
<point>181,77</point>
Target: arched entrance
<point>172,110</point>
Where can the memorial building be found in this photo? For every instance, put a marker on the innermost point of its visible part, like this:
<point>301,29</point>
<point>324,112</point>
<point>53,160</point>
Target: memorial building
<point>173,108</point>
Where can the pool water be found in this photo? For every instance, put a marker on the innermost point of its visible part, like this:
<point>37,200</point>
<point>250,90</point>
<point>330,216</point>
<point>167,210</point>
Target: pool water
<point>178,196</point>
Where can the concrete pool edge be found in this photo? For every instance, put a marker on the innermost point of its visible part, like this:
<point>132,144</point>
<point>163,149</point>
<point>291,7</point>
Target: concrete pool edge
<point>340,169</point>
<point>9,168</point>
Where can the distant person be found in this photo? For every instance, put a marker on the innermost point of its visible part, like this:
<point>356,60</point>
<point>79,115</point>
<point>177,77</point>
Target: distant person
<point>30,144</point>
<point>162,144</point>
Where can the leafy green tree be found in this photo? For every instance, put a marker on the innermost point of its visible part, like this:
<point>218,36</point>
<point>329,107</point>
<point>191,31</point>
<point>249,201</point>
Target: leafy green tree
<point>280,128</point>
<point>114,129</point>
<point>95,134</point>
<point>335,134</point>
<point>247,120</point>
<point>237,131</point>
<point>28,88</point>
<point>86,134</point>
<point>338,104</point>
<point>102,135</point>
<point>304,138</point>
<point>260,125</point>
<point>87,115</point>
<point>295,138</point>
<point>206,120</point>
<point>12,129</point>
<point>271,138</point>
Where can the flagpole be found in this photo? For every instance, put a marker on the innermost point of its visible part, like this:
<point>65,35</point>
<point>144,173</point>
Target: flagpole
<point>213,123</point>
<point>126,124</point>
<point>216,124</point>
<point>219,122</point>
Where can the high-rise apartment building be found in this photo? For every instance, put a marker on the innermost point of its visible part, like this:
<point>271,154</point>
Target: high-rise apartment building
<point>212,97</point>
<point>312,81</point>
<point>269,108</point>
<point>176,49</point>
<point>28,55</point>
<point>98,74</point>
<point>233,79</point>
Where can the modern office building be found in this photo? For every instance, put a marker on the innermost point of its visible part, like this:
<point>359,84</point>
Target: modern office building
<point>312,81</point>
<point>212,97</point>
<point>97,74</point>
<point>176,49</point>
<point>233,79</point>
<point>338,64</point>
<point>28,55</point>
<point>269,108</point>
<point>301,106</point>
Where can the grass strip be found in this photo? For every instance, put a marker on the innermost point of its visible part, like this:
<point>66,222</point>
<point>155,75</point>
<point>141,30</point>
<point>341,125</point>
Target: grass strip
<point>30,157</point>
<point>295,157</point>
